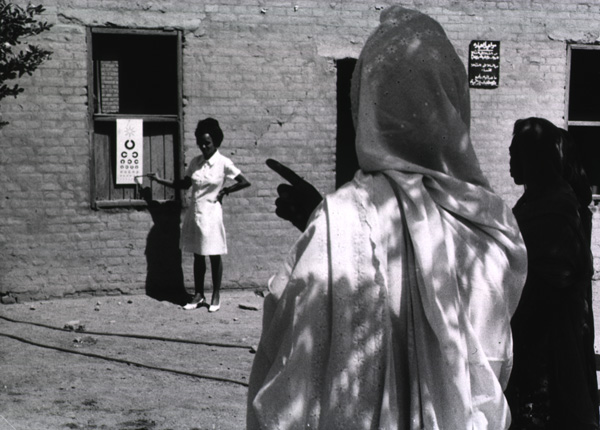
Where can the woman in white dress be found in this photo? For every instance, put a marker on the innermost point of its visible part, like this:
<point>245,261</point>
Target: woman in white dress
<point>203,232</point>
<point>393,308</point>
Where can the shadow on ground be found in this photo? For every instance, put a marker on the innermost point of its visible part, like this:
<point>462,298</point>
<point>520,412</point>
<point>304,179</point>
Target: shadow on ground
<point>164,279</point>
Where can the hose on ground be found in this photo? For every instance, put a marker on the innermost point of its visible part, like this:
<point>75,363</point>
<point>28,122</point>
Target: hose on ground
<point>122,361</point>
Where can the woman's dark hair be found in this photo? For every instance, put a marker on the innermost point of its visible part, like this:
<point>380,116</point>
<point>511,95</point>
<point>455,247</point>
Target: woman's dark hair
<point>210,126</point>
<point>539,142</point>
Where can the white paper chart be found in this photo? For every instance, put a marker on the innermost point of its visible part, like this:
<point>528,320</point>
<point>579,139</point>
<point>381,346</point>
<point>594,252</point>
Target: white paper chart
<point>130,150</point>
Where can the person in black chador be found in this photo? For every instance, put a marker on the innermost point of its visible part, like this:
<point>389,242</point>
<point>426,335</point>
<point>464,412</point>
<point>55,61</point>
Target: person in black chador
<point>574,173</point>
<point>552,385</point>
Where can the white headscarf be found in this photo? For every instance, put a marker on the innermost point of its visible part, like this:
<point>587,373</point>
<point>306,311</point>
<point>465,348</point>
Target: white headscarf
<point>394,308</point>
<point>412,114</point>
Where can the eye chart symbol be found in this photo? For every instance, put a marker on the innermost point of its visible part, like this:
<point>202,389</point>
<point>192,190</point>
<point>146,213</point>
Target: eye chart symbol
<point>129,150</point>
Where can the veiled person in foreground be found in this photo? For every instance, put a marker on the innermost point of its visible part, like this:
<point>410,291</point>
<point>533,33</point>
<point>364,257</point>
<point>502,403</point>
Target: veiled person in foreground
<point>393,308</point>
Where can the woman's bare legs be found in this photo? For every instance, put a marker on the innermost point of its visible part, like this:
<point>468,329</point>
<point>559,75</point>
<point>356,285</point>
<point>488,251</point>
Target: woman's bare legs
<point>199,273</point>
<point>216,264</point>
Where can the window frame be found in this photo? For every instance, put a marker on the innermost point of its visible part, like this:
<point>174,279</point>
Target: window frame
<point>93,117</point>
<point>575,123</point>
<point>570,47</point>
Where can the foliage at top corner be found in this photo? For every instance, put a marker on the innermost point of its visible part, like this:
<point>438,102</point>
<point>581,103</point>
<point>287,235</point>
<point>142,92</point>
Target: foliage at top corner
<point>17,23</point>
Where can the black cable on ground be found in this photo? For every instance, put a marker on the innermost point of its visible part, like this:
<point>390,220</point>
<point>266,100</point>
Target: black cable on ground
<point>122,361</point>
<point>136,336</point>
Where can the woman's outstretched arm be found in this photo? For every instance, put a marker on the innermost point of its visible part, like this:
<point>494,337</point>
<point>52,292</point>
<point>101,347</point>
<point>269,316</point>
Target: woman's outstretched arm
<point>178,184</point>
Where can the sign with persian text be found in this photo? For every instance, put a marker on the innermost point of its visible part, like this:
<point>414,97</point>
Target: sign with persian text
<point>130,150</point>
<point>484,64</point>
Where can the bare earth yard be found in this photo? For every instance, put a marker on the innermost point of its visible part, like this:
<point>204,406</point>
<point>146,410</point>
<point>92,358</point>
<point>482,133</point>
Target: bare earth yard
<point>193,378</point>
<point>196,378</point>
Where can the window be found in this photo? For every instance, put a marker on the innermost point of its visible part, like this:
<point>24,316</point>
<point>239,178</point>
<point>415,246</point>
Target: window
<point>134,74</point>
<point>346,163</point>
<point>583,108</point>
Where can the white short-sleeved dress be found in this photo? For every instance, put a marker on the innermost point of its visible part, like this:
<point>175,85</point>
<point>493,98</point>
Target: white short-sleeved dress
<point>203,232</point>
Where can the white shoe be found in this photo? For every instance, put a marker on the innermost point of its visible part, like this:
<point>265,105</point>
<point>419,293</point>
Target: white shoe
<point>191,306</point>
<point>214,308</point>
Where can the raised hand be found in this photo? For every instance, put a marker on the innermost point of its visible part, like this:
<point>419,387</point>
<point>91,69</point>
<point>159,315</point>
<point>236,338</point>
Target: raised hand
<point>297,200</point>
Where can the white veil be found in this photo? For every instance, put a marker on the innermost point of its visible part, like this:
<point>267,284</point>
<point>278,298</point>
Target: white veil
<point>394,307</point>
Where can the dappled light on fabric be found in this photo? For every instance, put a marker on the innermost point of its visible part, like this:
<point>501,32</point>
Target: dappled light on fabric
<point>406,278</point>
<point>347,324</point>
<point>351,336</point>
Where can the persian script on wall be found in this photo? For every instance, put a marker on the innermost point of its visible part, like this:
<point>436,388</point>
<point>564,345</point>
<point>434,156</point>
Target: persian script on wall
<point>484,64</point>
<point>130,146</point>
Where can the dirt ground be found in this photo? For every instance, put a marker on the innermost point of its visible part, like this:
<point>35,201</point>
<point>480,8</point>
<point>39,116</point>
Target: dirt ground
<point>111,373</point>
<point>55,379</point>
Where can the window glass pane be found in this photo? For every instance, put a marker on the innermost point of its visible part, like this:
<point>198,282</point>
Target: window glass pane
<point>584,88</point>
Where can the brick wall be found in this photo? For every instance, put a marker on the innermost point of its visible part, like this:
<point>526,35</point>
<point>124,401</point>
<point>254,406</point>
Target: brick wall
<point>109,72</point>
<point>266,70</point>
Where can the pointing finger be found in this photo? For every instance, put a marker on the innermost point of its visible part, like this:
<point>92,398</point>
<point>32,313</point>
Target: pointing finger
<point>285,172</point>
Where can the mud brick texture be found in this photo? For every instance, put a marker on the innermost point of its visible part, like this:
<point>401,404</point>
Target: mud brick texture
<point>267,71</point>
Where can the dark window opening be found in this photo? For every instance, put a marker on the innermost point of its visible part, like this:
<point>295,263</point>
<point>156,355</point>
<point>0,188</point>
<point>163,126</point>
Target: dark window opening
<point>583,108</point>
<point>346,163</point>
<point>135,74</point>
<point>584,88</point>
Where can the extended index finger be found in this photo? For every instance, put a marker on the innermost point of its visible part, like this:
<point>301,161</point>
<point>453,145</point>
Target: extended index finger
<point>285,172</point>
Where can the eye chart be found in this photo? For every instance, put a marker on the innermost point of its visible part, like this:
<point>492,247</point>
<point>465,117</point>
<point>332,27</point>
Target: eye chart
<point>130,150</point>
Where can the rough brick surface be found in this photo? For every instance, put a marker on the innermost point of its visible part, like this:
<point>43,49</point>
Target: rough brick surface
<point>267,71</point>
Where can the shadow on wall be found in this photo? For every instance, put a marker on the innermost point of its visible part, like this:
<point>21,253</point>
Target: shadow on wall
<point>164,280</point>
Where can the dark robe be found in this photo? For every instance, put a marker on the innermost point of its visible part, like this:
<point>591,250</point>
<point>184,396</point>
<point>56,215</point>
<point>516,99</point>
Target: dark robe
<point>553,384</point>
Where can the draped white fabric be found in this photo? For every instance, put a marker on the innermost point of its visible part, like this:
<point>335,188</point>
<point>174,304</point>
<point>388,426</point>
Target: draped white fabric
<point>393,308</point>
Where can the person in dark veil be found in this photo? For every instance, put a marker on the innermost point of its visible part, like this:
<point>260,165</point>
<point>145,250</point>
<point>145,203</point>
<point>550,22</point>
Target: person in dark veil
<point>392,310</point>
<point>552,383</point>
<point>574,174</point>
